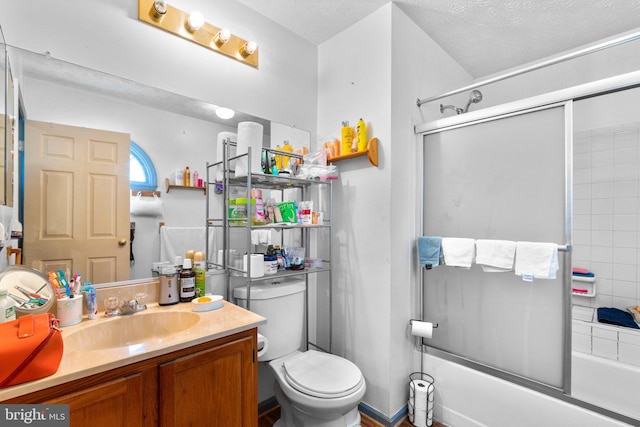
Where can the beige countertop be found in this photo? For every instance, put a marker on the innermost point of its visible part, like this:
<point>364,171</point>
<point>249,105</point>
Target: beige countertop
<point>78,363</point>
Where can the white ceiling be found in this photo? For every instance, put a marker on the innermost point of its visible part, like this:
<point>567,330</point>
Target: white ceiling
<point>483,36</point>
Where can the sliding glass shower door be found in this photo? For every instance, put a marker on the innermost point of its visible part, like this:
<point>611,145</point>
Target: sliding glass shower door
<point>501,178</point>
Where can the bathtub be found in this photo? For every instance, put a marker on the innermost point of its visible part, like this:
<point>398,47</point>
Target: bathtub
<point>605,362</point>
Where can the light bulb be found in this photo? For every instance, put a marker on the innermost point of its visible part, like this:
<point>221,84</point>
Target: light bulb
<point>248,48</point>
<point>195,21</point>
<point>160,7</point>
<point>225,113</point>
<point>222,37</point>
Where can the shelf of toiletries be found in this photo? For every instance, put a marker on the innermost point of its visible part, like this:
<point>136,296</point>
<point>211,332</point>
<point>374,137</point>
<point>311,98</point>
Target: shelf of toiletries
<point>236,272</point>
<point>276,182</point>
<point>280,226</point>
<point>168,186</point>
<point>583,283</point>
<point>371,152</point>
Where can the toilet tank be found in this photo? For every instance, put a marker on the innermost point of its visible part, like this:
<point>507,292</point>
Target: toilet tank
<point>281,302</point>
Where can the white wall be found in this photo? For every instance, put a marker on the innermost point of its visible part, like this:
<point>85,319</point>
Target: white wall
<point>366,72</point>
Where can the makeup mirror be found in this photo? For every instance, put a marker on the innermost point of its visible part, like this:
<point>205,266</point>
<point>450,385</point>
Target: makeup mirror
<point>29,288</point>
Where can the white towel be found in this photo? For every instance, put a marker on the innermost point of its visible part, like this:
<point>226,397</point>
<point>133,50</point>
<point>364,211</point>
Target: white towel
<point>536,260</point>
<point>178,240</point>
<point>458,252</point>
<point>495,255</point>
<point>260,237</point>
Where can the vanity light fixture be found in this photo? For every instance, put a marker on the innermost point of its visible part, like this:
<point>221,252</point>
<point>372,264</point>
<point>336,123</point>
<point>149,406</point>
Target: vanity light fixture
<point>193,27</point>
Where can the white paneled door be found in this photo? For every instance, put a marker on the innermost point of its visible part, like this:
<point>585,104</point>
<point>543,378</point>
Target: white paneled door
<point>76,201</point>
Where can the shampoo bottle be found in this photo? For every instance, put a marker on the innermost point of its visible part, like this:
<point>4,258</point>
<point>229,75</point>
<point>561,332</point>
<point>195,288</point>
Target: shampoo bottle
<point>347,138</point>
<point>187,177</point>
<point>285,159</point>
<point>200,270</point>
<point>361,133</point>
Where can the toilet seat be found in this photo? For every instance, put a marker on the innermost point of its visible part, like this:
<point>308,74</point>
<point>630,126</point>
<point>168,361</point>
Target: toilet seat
<point>322,375</point>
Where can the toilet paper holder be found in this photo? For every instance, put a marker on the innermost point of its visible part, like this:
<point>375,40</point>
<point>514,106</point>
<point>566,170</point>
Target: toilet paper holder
<point>435,325</point>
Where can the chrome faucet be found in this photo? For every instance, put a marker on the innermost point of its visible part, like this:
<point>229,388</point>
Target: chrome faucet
<point>117,307</point>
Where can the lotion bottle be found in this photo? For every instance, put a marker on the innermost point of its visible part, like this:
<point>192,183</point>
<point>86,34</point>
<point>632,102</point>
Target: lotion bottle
<point>361,133</point>
<point>187,177</point>
<point>347,138</point>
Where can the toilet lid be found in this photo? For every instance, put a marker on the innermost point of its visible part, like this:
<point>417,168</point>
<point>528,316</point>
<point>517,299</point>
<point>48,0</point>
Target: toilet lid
<point>321,374</point>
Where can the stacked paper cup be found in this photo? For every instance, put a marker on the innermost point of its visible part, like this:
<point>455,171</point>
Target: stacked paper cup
<point>420,405</point>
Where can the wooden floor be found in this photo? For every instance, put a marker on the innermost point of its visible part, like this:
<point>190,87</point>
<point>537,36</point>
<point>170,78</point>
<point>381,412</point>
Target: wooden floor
<point>270,417</point>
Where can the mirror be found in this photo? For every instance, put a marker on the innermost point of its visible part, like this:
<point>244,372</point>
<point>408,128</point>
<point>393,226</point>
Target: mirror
<point>29,288</point>
<point>173,130</point>
<point>6,113</point>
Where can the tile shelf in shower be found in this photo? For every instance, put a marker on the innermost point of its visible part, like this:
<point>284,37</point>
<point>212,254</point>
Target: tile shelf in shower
<point>583,286</point>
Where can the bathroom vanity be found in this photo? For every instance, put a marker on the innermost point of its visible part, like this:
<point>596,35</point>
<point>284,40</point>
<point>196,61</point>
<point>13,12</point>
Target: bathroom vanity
<point>203,372</point>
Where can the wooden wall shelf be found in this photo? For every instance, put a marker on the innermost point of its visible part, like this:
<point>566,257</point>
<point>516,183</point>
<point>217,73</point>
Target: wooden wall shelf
<point>371,152</point>
<point>146,193</point>
<point>169,185</point>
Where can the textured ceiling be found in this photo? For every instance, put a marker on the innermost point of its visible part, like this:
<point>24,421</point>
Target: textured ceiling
<point>483,36</point>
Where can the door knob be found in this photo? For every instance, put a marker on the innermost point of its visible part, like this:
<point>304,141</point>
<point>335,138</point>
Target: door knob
<point>122,242</point>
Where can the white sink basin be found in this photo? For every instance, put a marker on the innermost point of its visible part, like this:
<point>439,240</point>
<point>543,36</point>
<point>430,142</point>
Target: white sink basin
<point>130,330</point>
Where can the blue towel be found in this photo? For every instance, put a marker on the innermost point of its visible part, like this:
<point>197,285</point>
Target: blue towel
<point>589,274</point>
<point>429,250</point>
<point>615,316</point>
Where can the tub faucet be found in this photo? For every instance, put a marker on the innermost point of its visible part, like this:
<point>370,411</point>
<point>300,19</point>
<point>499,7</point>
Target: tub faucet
<point>117,307</point>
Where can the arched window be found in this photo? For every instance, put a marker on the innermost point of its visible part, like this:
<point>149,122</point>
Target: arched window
<point>142,173</point>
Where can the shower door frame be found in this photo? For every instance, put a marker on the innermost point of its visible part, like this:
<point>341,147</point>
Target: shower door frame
<point>562,98</point>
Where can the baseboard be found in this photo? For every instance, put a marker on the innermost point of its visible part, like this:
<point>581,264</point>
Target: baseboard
<point>381,418</point>
<point>267,405</point>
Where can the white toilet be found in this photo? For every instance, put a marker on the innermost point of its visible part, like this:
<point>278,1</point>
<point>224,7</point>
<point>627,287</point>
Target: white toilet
<point>313,388</point>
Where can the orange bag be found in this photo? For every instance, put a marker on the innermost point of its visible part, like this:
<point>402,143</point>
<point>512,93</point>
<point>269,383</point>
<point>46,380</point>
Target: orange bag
<point>31,349</point>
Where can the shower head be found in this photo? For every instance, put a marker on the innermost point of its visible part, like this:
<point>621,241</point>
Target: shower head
<point>474,98</point>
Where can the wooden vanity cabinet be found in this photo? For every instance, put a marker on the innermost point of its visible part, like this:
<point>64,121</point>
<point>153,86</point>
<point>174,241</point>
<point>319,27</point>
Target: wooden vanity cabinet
<point>187,400</point>
<point>210,384</point>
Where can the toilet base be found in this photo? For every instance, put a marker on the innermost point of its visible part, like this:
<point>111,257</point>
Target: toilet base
<point>291,416</point>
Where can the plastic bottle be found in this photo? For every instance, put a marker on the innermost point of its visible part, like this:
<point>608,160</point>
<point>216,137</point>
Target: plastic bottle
<point>187,282</point>
<point>347,138</point>
<point>7,307</point>
<point>285,159</point>
<point>187,177</point>
<point>195,179</point>
<point>199,269</point>
<point>278,159</point>
<point>361,133</point>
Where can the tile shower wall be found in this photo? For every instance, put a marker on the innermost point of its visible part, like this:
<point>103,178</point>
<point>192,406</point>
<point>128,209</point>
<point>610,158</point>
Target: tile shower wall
<point>606,220</point>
